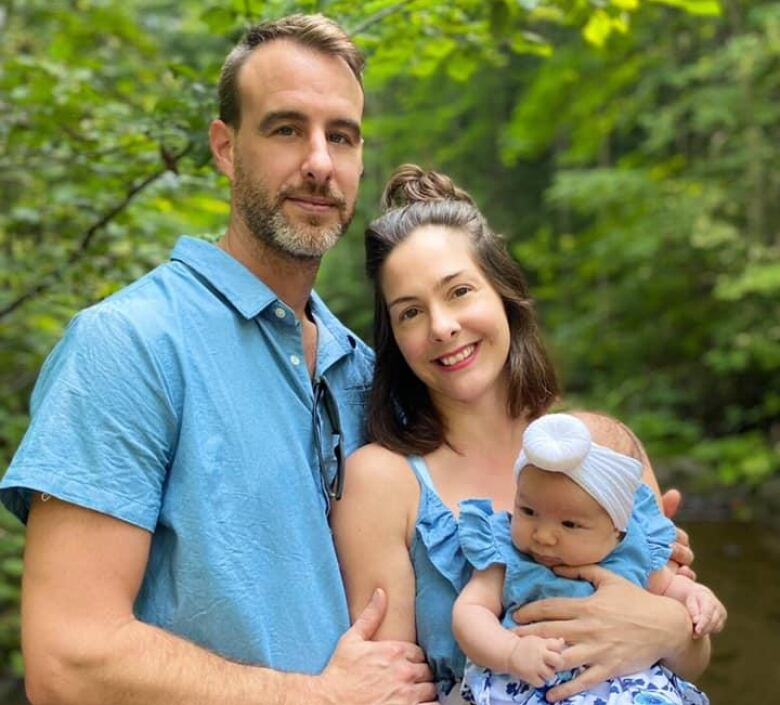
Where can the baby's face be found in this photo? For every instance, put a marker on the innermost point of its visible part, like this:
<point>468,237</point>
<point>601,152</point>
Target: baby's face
<point>556,522</point>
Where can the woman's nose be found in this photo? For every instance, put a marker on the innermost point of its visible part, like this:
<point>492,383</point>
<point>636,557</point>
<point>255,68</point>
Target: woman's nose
<point>443,325</point>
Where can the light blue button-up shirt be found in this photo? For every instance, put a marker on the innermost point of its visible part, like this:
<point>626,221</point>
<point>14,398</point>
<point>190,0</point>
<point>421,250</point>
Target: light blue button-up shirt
<point>183,405</point>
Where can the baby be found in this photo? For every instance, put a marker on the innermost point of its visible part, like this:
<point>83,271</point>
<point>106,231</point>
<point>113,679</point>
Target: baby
<point>577,503</point>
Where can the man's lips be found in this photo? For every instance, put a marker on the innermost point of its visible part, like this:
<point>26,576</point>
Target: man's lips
<point>315,204</point>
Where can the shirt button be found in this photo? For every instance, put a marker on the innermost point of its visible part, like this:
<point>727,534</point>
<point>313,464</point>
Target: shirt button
<point>295,360</point>
<point>280,312</point>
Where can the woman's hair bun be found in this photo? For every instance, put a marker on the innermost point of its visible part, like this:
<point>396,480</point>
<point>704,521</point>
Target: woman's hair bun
<point>412,184</point>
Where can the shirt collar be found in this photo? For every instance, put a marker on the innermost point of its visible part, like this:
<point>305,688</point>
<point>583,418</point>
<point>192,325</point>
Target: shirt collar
<point>247,293</point>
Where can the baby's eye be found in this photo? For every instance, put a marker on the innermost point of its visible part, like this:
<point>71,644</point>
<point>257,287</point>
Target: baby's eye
<point>570,524</point>
<point>527,511</point>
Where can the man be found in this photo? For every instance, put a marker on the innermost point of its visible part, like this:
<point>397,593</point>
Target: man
<point>186,435</point>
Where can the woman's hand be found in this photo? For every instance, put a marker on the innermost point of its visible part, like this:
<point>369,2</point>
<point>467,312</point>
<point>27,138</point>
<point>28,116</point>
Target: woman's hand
<point>620,629</point>
<point>681,548</point>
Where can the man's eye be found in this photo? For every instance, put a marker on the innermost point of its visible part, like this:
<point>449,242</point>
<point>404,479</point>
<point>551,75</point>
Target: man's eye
<point>340,138</point>
<point>284,130</point>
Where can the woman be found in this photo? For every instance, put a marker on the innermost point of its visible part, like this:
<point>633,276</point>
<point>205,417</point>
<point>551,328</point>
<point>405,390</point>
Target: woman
<point>460,372</point>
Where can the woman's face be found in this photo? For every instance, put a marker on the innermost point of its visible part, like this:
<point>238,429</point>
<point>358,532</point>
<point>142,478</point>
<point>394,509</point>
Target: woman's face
<point>556,522</point>
<point>448,321</point>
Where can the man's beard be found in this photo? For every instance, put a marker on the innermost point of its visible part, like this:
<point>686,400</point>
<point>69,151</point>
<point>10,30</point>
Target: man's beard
<point>263,216</point>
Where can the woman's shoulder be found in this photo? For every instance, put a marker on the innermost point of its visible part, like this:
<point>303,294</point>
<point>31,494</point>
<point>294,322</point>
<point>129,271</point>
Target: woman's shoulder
<point>377,467</point>
<point>373,475</point>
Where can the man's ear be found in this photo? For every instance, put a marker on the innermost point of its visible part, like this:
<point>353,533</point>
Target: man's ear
<point>222,140</point>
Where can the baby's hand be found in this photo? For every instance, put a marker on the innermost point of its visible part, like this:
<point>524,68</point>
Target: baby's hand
<point>535,660</point>
<point>707,612</point>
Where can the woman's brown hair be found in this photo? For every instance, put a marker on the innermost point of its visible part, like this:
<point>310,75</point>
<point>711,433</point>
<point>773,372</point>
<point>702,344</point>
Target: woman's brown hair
<point>401,415</point>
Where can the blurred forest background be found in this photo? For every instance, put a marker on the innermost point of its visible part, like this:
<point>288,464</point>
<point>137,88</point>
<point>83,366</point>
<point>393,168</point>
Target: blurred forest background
<point>627,149</point>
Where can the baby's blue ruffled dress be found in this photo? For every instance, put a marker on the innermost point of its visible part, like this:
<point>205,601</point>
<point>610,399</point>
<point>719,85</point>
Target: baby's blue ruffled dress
<point>486,540</point>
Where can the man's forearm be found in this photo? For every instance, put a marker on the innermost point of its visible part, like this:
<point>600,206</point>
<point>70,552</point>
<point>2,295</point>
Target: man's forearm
<point>139,664</point>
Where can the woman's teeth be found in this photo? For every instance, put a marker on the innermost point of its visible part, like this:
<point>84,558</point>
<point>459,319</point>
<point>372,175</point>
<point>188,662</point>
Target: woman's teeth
<point>457,357</point>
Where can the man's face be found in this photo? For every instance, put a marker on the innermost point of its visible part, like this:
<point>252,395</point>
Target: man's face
<point>297,155</point>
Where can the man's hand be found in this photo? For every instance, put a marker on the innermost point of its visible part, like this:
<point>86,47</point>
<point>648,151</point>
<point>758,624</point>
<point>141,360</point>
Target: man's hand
<point>535,660</point>
<point>619,630</point>
<point>681,548</point>
<point>365,672</point>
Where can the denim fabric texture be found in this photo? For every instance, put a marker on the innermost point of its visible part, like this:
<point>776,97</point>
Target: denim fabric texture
<point>182,404</point>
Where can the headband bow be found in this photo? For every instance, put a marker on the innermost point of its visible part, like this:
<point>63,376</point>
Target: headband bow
<point>562,443</point>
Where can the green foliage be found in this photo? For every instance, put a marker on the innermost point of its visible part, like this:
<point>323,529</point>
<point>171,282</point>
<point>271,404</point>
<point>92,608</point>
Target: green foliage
<point>627,149</point>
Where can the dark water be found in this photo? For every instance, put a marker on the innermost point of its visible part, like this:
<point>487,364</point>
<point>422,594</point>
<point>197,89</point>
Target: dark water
<point>741,563</point>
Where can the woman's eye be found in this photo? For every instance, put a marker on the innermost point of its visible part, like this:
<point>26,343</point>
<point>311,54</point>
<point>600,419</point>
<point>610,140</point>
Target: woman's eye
<point>460,291</point>
<point>408,314</point>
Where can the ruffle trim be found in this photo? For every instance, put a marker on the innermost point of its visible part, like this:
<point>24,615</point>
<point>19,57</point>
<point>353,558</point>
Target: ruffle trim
<point>437,529</point>
<point>659,531</point>
<point>478,527</point>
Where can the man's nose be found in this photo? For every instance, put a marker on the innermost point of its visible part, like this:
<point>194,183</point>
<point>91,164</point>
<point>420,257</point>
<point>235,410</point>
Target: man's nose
<point>317,165</point>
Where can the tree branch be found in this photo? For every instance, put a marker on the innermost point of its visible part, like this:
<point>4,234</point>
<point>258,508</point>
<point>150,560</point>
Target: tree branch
<point>378,17</point>
<point>50,278</point>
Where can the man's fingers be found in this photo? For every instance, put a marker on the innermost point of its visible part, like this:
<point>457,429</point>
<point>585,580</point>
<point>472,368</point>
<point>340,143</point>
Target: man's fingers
<point>670,502</point>
<point>371,617</point>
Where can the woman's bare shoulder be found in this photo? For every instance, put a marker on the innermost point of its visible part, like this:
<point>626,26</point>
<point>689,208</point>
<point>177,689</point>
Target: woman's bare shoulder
<point>374,464</point>
<point>380,492</point>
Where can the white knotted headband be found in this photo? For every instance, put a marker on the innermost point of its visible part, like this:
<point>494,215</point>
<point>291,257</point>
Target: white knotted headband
<point>562,443</point>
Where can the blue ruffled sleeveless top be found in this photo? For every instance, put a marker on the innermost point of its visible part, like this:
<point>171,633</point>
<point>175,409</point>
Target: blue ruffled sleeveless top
<point>486,539</point>
<point>441,572</point>
<point>442,569</point>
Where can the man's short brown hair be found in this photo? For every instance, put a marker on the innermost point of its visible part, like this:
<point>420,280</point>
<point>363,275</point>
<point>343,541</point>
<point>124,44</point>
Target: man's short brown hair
<point>316,32</point>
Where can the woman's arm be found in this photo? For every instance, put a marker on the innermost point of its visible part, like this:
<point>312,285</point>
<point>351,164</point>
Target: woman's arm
<point>487,643</point>
<point>372,523</point>
<point>620,629</point>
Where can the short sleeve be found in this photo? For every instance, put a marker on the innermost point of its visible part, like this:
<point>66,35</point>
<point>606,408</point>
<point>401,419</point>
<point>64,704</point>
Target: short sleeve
<point>102,424</point>
<point>479,530</point>
<point>659,532</point>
